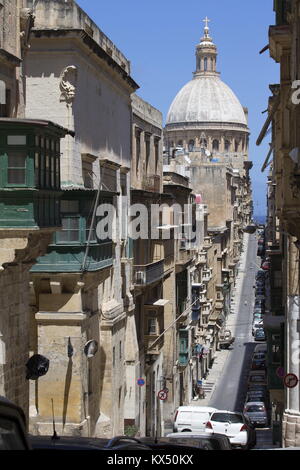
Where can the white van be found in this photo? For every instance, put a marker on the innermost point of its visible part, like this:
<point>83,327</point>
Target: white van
<point>192,418</point>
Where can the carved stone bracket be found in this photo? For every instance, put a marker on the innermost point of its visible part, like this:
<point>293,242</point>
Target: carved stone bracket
<point>26,24</point>
<point>23,248</point>
<point>68,83</point>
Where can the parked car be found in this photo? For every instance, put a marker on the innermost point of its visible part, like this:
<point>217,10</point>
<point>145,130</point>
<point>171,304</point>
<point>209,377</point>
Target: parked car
<point>260,282</point>
<point>258,310</point>
<point>266,265</point>
<point>192,418</point>
<point>233,425</point>
<point>256,413</point>
<point>259,291</point>
<point>258,314</point>
<point>257,395</point>
<point>86,443</point>
<point>258,361</point>
<point>202,441</point>
<point>260,274</point>
<point>257,377</point>
<point>13,434</point>
<point>261,348</point>
<point>256,326</point>
<point>260,297</point>
<point>225,339</point>
<point>260,335</point>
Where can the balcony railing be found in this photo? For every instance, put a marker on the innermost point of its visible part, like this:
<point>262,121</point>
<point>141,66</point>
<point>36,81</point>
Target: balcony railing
<point>148,273</point>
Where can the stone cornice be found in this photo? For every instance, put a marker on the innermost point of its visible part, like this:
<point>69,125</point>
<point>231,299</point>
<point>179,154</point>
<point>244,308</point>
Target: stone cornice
<point>89,42</point>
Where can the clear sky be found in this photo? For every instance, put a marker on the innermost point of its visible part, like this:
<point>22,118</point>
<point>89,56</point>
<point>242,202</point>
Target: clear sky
<point>159,38</point>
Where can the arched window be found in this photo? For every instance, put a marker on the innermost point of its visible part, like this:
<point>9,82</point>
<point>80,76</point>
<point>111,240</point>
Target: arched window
<point>227,145</point>
<point>215,144</point>
<point>205,64</point>
<point>191,145</point>
<point>236,146</point>
<point>203,143</point>
<point>179,143</point>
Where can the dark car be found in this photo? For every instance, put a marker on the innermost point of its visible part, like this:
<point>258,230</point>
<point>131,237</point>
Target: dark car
<point>260,335</point>
<point>260,274</point>
<point>200,441</point>
<point>256,412</point>
<point>260,283</point>
<point>86,443</point>
<point>13,434</point>
<point>258,361</point>
<point>257,395</point>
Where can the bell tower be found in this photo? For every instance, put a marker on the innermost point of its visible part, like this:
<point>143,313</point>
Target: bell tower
<point>206,54</point>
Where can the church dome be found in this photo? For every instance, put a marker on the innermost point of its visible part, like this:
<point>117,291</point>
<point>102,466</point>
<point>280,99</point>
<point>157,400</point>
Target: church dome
<point>206,99</point>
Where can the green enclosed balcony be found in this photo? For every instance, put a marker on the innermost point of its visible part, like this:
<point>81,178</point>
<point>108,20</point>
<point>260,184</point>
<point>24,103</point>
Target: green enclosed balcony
<point>76,248</point>
<point>183,347</point>
<point>30,173</point>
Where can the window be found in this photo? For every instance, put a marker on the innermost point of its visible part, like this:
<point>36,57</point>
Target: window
<point>5,103</point>
<point>156,151</point>
<point>16,168</point>
<point>203,143</point>
<point>37,168</point>
<point>152,326</point>
<point>87,173</point>
<point>236,146</point>
<point>91,229</point>
<point>70,223</point>
<point>205,64</point>
<point>216,144</point>
<point>114,356</point>
<point>70,230</point>
<point>120,350</point>
<point>227,145</point>
<point>147,143</point>
<point>191,145</point>
<point>276,349</point>
<point>137,148</point>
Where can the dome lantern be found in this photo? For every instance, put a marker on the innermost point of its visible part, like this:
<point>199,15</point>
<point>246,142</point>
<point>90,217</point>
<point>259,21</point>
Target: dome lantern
<point>206,53</point>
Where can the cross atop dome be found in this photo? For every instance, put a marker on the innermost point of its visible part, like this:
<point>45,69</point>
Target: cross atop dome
<point>206,29</point>
<point>206,21</point>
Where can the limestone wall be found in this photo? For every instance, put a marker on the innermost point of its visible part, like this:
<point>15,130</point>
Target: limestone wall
<point>14,334</point>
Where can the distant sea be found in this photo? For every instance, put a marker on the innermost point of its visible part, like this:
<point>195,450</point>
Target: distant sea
<point>260,219</point>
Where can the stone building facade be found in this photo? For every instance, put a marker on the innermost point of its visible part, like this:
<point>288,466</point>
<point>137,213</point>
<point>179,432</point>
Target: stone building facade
<point>80,290</point>
<point>283,235</point>
<point>25,230</point>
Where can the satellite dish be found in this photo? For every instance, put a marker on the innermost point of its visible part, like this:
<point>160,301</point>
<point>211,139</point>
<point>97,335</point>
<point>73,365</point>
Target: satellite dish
<point>91,348</point>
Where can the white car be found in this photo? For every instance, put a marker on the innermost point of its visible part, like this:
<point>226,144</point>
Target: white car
<point>192,418</point>
<point>233,425</point>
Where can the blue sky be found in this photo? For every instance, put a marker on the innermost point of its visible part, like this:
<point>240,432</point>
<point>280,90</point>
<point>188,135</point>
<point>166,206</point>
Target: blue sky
<point>159,38</point>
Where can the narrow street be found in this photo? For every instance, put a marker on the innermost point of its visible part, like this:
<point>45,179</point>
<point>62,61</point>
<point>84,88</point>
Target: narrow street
<point>231,388</point>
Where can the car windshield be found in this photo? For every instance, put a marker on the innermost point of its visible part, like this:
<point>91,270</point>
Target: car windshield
<point>259,356</point>
<point>255,408</point>
<point>257,378</point>
<point>227,418</point>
